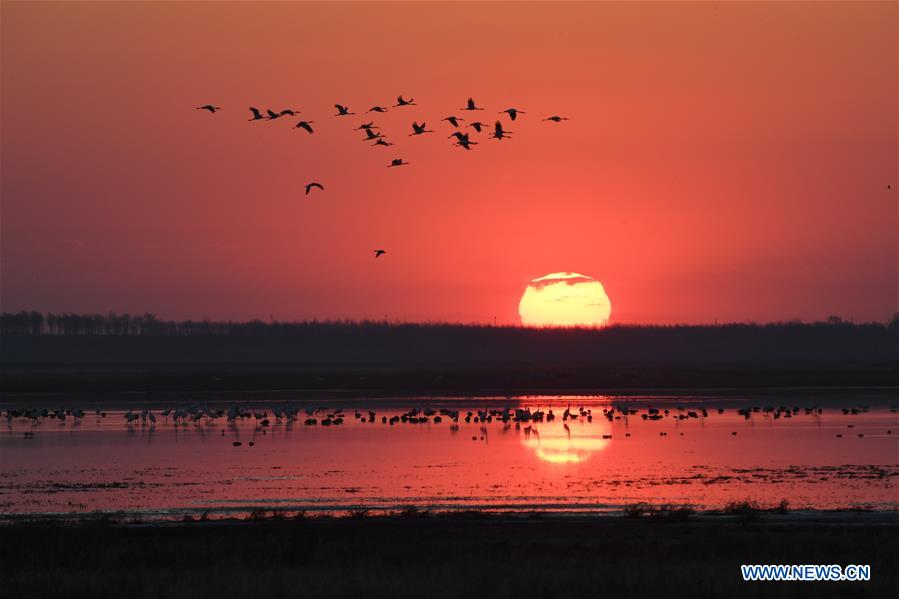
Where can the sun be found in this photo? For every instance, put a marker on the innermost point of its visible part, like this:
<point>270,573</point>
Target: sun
<point>565,299</point>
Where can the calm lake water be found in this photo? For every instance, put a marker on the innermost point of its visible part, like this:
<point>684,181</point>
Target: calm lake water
<point>818,457</point>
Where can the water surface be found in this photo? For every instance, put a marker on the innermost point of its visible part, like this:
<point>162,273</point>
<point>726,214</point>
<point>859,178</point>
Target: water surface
<point>818,457</point>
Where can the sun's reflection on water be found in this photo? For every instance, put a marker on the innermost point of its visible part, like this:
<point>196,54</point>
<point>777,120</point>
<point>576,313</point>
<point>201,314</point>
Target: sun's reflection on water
<point>563,443</point>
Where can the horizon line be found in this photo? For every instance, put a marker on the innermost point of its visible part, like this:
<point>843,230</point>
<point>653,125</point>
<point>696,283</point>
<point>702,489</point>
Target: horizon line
<point>832,320</point>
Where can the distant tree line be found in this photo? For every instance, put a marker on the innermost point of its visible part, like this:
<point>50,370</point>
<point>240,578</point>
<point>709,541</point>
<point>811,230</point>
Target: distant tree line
<point>36,323</point>
<point>35,338</point>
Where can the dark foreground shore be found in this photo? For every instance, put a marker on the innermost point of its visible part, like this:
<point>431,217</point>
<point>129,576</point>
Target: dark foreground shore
<point>468,555</point>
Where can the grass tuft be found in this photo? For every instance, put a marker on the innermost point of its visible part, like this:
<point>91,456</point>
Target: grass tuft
<point>258,515</point>
<point>663,513</point>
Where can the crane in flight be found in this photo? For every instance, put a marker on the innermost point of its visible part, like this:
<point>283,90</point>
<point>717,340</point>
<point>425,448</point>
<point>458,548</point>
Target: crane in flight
<point>310,186</point>
<point>499,133</point>
<point>452,120</point>
<point>378,253</point>
<point>370,135</point>
<point>556,118</point>
<point>342,110</point>
<point>307,125</point>
<point>462,140</point>
<point>471,105</point>
<point>209,107</point>
<point>477,126</point>
<point>513,112</point>
<point>419,129</point>
<point>397,162</point>
<point>400,101</point>
<point>257,116</point>
<point>376,109</point>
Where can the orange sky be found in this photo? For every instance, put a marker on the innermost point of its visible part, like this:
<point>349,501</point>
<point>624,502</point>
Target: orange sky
<point>723,161</point>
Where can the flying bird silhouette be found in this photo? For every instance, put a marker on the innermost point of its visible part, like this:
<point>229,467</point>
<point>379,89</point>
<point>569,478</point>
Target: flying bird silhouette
<point>272,115</point>
<point>309,187</point>
<point>463,141</point>
<point>289,112</point>
<point>397,162</point>
<point>382,142</point>
<point>513,112</point>
<point>379,252</point>
<point>400,101</point>
<point>370,135</point>
<point>471,105</point>
<point>342,110</point>
<point>556,118</point>
<point>307,125</point>
<point>419,129</point>
<point>477,126</point>
<point>209,107</point>
<point>498,132</point>
<point>453,120</point>
<point>256,114</point>
<point>364,126</point>
<point>376,109</point>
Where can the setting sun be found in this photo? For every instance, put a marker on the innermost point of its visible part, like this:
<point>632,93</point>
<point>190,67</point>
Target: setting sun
<point>565,299</point>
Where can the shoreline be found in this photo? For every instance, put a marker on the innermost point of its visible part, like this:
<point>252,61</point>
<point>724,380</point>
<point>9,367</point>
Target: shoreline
<point>726,397</point>
<point>446,380</point>
<point>741,513</point>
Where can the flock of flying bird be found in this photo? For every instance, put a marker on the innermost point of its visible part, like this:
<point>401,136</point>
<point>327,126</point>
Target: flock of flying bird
<point>374,134</point>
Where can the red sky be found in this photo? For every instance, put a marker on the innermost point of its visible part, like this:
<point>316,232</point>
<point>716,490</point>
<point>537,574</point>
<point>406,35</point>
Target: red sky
<point>725,161</point>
